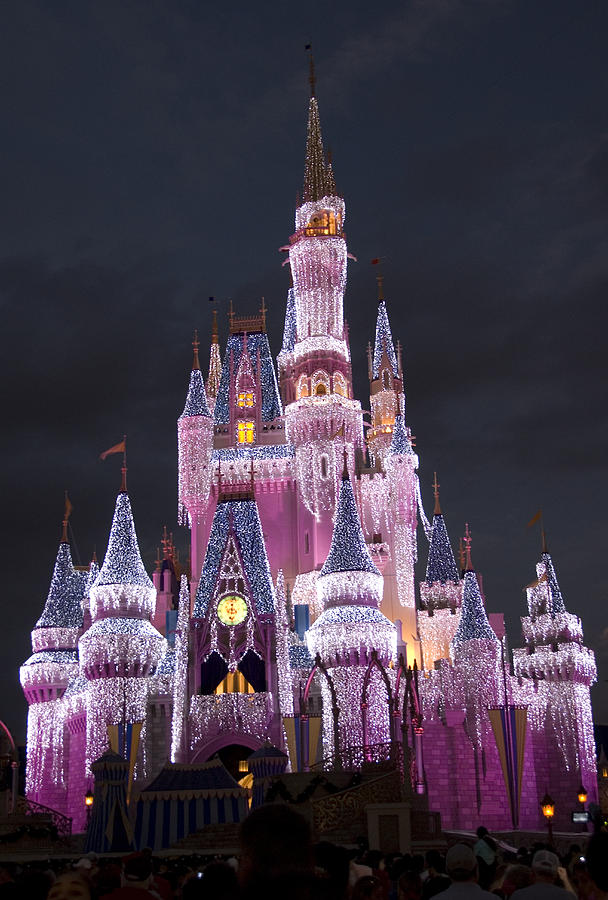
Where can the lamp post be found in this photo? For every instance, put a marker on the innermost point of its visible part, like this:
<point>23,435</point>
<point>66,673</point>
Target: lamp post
<point>582,796</point>
<point>88,802</point>
<point>548,807</point>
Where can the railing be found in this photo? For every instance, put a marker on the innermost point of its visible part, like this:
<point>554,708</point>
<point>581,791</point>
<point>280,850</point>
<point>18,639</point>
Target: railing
<point>61,823</point>
<point>347,808</point>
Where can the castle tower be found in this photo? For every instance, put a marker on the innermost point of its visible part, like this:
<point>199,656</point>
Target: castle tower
<point>285,359</point>
<point>386,384</point>
<point>440,593</point>
<point>556,671</point>
<point>401,463</point>
<point>322,418</point>
<point>121,649</point>
<point>234,663</point>
<point>348,632</point>
<point>215,366</point>
<point>46,674</point>
<point>195,448</point>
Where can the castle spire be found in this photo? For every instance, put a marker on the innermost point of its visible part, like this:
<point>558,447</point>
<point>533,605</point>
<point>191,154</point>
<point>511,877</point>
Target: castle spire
<point>215,364</point>
<point>289,329</point>
<point>384,342</point>
<point>474,624</point>
<point>348,551</point>
<point>123,563</point>
<point>441,565</point>
<point>196,399</point>
<point>63,607</point>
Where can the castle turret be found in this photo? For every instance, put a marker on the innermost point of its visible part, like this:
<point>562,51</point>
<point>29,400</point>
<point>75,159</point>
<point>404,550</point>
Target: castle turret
<point>557,669</point>
<point>386,384</point>
<point>474,625</point>
<point>215,366</point>
<point>440,593</point>
<point>285,358</point>
<point>351,632</point>
<point>323,418</point>
<point>122,648</point>
<point>195,446</point>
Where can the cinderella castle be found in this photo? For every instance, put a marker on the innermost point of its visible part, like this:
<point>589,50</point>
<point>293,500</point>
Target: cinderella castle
<point>300,625</point>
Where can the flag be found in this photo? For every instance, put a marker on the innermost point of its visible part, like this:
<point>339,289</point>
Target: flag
<point>509,726</point>
<point>376,261</point>
<point>536,518</point>
<point>117,448</point>
<point>68,507</point>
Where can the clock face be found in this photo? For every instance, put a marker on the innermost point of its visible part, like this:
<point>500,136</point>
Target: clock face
<point>232,610</point>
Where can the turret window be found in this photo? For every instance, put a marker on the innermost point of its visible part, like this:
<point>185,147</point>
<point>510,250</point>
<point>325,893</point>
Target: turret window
<point>320,383</point>
<point>302,388</point>
<point>340,384</point>
<point>246,398</point>
<point>245,432</point>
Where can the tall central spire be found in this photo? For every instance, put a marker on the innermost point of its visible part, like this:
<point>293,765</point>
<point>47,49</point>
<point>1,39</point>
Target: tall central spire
<point>316,176</point>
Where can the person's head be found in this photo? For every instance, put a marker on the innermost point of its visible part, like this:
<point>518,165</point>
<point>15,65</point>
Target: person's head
<point>70,886</point>
<point>482,831</point>
<point>545,865</point>
<point>516,877</point>
<point>275,841</point>
<point>410,886</point>
<point>367,888</point>
<point>597,854</point>
<point>461,864</point>
<point>137,870</point>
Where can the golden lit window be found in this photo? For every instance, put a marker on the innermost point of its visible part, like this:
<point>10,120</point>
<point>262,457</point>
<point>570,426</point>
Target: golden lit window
<point>321,389</point>
<point>340,384</point>
<point>245,398</point>
<point>245,432</point>
<point>302,388</point>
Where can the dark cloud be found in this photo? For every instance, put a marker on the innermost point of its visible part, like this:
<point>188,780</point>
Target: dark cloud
<point>153,156</point>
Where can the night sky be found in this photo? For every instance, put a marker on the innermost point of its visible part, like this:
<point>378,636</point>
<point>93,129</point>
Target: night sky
<point>151,155</point>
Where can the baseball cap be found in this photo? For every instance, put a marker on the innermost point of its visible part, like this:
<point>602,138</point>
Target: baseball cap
<point>460,858</point>
<point>545,863</point>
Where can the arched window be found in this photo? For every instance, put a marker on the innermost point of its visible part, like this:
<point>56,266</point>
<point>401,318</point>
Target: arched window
<point>320,383</point>
<point>340,386</point>
<point>302,387</point>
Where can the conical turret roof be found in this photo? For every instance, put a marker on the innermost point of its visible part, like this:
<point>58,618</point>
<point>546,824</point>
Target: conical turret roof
<point>557,601</point>
<point>384,343</point>
<point>289,329</point>
<point>63,607</point>
<point>318,182</point>
<point>122,563</point>
<point>348,551</point>
<point>400,441</point>
<point>196,400</point>
<point>441,565</point>
<point>474,624</point>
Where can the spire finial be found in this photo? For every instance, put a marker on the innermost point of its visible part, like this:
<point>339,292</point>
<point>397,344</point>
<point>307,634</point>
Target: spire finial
<point>195,346</point>
<point>123,482</point>
<point>311,71</point>
<point>437,510</point>
<point>543,538</point>
<point>461,554</point>
<point>467,543</point>
<point>379,277</point>
<point>214,332</point>
<point>66,515</point>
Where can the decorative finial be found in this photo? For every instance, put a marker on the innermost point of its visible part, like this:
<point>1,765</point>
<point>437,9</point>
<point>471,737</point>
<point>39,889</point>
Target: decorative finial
<point>379,277</point>
<point>263,314</point>
<point>94,557</point>
<point>543,538</point>
<point>437,510</point>
<point>461,554</point>
<point>214,332</point>
<point>195,346</point>
<point>311,76</point>
<point>66,515</point>
<point>467,543</point>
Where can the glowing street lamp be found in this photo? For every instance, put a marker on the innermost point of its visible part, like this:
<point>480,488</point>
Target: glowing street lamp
<point>548,807</point>
<point>582,796</point>
<point>88,802</point>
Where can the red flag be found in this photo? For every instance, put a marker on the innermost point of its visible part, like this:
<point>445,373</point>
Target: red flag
<point>375,261</point>
<point>117,448</point>
<point>535,519</point>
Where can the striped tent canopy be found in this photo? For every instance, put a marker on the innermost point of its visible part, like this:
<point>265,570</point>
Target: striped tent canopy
<point>182,799</point>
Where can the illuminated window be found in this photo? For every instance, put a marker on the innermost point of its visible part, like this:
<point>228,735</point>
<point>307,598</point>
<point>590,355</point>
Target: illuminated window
<point>234,683</point>
<point>246,432</point>
<point>302,388</point>
<point>246,398</point>
<point>320,383</point>
<point>340,384</point>
<point>321,390</point>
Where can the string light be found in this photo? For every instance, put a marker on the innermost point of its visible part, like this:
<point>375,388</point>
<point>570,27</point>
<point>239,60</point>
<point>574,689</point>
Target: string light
<point>257,343</point>
<point>384,343</point>
<point>180,681</point>
<point>63,607</point>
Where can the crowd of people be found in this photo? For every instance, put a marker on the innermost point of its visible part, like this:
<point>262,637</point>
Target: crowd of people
<point>278,861</point>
